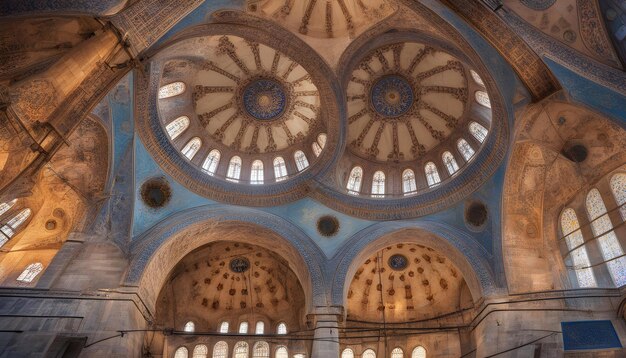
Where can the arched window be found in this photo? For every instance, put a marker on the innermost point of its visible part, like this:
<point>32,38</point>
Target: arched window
<point>191,148</point>
<point>30,272</point>
<point>234,169</point>
<point>256,173</point>
<point>483,98</point>
<point>261,350</point>
<point>281,352</point>
<point>609,245</point>
<point>478,131</point>
<point>301,161</point>
<point>220,349</point>
<point>397,353</point>
<point>9,229</point>
<point>378,185</point>
<point>280,169</point>
<point>282,328</point>
<point>200,351</point>
<point>347,353</point>
<point>177,127</point>
<point>432,174</point>
<point>260,328</point>
<point>354,181</point>
<point>618,186</point>
<point>466,150</point>
<point>450,163</point>
<point>409,185</point>
<point>223,327</point>
<point>418,352</point>
<point>189,327</point>
<point>317,150</point>
<point>243,328</point>
<point>4,207</point>
<point>211,162</point>
<point>321,140</point>
<point>241,350</point>
<point>299,355</point>
<point>181,352</point>
<point>171,90</point>
<point>573,239</point>
<point>477,79</point>
<point>369,353</point>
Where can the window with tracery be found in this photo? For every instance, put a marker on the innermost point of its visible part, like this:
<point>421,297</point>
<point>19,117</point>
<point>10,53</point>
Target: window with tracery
<point>409,185</point>
<point>181,352</point>
<point>354,181</point>
<point>211,162</point>
<point>220,349</point>
<point>260,328</point>
<point>282,328</point>
<point>223,327</point>
<point>618,187</point>
<point>234,169</point>
<point>432,174</point>
<point>177,127</point>
<point>191,148</point>
<point>171,90</point>
<point>419,352</point>
<point>450,162</point>
<point>483,99</point>
<point>609,245</point>
<point>200,351</point>
<point>397,353</point>
<point>261,350</point>
<point>243,328</point>
<point>301,161</point>
<point>465,149</point>
<point>280,169</point>
<point>256,173</point>
<point>10,228</point>
<point>281,352</point>
<point>578,252</point>
<point>189,327</point>
<point>378,184</point>
<point>478,131</point>
<point>477,78</point>
<point>347,353</point>
<point>241,350</point>
<point>321,140</point>
<point>369,353</point>
<point>317,150</point>
<point>4,207</point>
<point>31,271</point>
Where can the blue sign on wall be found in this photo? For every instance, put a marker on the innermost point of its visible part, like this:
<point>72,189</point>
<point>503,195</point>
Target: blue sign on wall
<point>589,335</point>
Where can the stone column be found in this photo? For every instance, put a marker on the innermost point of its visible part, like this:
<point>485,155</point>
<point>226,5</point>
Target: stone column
<point>326,336</point>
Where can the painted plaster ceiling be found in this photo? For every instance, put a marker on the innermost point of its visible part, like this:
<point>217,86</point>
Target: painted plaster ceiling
<point>403,100</point>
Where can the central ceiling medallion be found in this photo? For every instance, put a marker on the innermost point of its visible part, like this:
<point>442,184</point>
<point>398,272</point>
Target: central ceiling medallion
<point>264,99</point>
<point>392,96</point>
<point>239,264</point>
<point>398,262</point>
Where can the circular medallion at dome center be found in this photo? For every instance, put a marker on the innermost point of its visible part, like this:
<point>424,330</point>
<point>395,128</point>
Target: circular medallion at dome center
<point>392,96</point>
<point>264,99</point>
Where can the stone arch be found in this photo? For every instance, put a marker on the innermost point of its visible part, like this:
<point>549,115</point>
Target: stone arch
<point>158,250</point>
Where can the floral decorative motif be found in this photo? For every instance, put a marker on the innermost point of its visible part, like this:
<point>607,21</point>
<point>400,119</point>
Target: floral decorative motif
<point>264,99</point>
<point>392,96</point>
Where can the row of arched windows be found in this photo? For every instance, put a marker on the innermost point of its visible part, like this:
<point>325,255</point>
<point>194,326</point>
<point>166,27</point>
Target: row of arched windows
<point>281,328</point>
<point>409,184</point>
<point>603,231</point>
<point>9,228</point>
<point>260,349</point>
<point>418,352</point>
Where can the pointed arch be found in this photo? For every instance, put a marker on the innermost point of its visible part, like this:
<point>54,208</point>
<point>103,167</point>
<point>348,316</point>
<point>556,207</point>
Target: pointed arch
<point>177,127</point>
<point>397,353</point>
<point>192,147</point>
<point>369,353</point>
<point>189,327</point>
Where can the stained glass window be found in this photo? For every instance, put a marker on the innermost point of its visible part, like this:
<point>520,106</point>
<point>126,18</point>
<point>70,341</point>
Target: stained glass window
<point>301,161</point>
<point>200,351</point>
<point>256,174</point>
<point>181,352</point>
<point>354,181</point>
<point>347,353</point>
<point>243,328</point>
<point>321,140</point>
<point>574,238</point>
<point>241,350</point>
<point>177,127</point>
<point>397,353</point>
<point>478,131</point>
<point>234,169</point>
<point>171,90</point>
<point>432,174</point>
<point>483,99</point>
<point>30,272</point>
<point>281,352</point>
<point>4,207</point>
<point>317,150</point>
<point>12,225</point>
<point>282,328</point>
<point>189,327</point>
<point>260,328</point>
<point>418,352</point>
<point>378,185</point>
<point>191,148</point>
<point>466,150</point>
<point>609,245</point>
<point>618,186</point>
<point>369,354</point>
<point>409,185</point>
<point>220,349</point>
<point>211,162</point>
<point>477,78</point>
<point>450,163</point>
<point>280,169</point>
<point>223,327</point>
<point>261,350</point>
